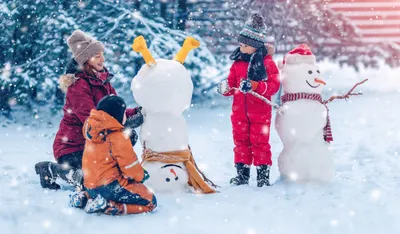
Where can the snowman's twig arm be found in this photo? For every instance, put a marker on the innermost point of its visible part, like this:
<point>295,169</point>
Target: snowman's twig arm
<point>348,94</point>
<point>262,98</point>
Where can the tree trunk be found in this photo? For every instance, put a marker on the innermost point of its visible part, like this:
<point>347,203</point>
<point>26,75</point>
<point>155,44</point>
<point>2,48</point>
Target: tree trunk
<point>181,15</point>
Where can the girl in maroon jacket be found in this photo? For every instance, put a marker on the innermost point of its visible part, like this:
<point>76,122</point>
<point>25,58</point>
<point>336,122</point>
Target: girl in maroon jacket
<point>86,82</point>
<point>253,70</point>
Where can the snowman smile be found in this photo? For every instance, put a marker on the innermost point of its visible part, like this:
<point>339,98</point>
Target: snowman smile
<point>313,86</point>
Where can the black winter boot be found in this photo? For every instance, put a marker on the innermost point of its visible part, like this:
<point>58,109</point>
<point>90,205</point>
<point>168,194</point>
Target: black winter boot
<point>50,171</point>
<point>263,175</point>
<point>243,176</point>
<point>47,178</point>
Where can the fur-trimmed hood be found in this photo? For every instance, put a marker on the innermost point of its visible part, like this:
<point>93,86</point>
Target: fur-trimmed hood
<point>66,80</point>
<point>70,76</point>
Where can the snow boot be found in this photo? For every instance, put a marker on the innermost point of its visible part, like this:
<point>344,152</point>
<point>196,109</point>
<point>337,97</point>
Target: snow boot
<point>96,205</point>
<point>243,176</point>
<point>50,171</point>
<point>47,178</point>
<point>263,175</point>
<point>78,199</point>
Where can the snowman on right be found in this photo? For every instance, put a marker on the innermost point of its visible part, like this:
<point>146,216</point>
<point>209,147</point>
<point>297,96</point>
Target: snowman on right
<point>303,121</point>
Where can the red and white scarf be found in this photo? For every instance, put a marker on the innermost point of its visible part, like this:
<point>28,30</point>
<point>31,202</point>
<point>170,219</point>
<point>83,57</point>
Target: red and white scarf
<point>311,96</point>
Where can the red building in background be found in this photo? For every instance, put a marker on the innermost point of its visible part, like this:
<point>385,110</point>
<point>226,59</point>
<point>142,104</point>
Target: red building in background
<point>376,21</point>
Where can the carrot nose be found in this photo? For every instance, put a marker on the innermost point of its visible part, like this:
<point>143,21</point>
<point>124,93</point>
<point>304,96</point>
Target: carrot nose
<point>319,81</point>
<point>173,172</point>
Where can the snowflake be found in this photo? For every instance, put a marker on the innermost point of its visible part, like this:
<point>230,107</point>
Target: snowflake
<point>24,29</point>
<point>14,182</point>
<point>293,176</point>
<point>265,129</point>
<point>12,101</point>
<point>215,131</point>
<point>375,194</point>
<point>352,213</point>
<point>6,71</point>
<point>203,166</point>
<point>333,222</point>
<point>46,224</point>
<point>251,231</point>
<point>127,132</point>
<point>363,121</point>
<point>173,220</point>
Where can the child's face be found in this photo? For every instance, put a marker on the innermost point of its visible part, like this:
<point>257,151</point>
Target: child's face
<point>246,49</point>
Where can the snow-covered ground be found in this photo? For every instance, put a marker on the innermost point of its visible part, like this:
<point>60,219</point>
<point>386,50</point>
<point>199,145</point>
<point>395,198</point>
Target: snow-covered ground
<point>363,198</point>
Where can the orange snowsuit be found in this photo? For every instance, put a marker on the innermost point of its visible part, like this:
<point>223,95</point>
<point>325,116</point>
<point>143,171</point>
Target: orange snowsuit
<point>109,162</point>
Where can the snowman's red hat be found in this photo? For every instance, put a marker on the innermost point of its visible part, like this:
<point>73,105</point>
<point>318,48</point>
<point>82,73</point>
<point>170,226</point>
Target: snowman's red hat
<point>300,54</point>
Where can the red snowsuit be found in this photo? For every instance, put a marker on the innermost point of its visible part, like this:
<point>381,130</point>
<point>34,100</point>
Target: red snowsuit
<point>251,117</point>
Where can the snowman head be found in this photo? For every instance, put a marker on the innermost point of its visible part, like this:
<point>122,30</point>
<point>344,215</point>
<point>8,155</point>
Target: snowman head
<point>163,85</point>
<point>299,72</point>
<point>166,178</point>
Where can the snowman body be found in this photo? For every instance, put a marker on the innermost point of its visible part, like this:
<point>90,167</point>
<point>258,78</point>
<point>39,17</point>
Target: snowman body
<point>164,91</point>
<point>306,155</point>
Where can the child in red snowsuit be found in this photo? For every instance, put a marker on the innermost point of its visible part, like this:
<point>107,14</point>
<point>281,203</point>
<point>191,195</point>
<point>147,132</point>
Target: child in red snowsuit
<point>253,70</point>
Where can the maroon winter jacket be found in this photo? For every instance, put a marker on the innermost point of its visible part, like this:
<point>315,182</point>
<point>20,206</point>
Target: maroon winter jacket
<point>83,92</point>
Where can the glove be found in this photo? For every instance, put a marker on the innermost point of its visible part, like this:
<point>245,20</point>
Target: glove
<point>146,176</point>
<point>133,136</point>
<point>223,87</point>
<point>135,120</point>
<point>247,85</point>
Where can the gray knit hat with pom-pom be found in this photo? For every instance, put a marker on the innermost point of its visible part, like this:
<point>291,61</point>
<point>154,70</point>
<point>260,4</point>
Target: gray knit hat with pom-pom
<point>253,33</point>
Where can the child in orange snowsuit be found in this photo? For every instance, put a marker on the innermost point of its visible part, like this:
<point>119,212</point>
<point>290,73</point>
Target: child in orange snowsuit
<point>113,175</point>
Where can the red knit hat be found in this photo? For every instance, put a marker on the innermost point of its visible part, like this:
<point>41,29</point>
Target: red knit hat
<point>300,54</point>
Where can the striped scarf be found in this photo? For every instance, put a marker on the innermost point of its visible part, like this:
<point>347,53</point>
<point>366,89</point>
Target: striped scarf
<point>311,96</point>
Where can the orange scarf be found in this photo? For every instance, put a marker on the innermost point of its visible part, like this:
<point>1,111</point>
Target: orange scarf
<point>197,179</point>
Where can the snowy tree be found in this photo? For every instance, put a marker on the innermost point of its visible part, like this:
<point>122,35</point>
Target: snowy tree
<point>33,40</point>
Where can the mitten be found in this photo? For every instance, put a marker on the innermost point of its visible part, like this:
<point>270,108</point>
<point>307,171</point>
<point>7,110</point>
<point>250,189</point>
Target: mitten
<point>135,120</point>
<point>247,85</point>
<point>223,87</point>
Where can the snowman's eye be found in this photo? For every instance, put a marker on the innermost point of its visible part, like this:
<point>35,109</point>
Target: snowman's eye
<point>167,179</point>
<point>176,178</point>
<point>318,71</point>
<point>310,72</point>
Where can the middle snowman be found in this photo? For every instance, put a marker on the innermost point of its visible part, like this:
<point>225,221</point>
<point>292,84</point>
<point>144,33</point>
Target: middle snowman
<point>164,89</point>
<point>303,122</point>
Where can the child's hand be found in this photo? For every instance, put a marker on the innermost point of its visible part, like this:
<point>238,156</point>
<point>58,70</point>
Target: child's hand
<point>223,87</point>
<point>247,85</point>
<point>135,120</point>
